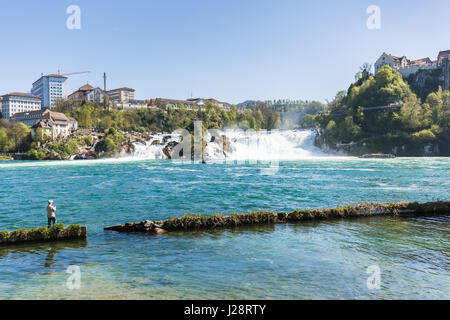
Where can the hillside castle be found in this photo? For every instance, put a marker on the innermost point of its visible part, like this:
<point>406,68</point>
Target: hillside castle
<point>408,67</point>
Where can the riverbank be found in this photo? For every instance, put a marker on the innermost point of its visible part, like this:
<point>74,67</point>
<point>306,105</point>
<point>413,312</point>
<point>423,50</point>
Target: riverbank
<point>216,221</point>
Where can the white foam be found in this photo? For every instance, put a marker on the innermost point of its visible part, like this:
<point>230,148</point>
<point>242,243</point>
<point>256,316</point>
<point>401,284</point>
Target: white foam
<point>277,145</point>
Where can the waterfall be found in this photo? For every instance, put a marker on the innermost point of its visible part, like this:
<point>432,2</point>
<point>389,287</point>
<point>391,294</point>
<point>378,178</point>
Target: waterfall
<point>254,145</point>
<point>154,148</point>
<point>278,145</point>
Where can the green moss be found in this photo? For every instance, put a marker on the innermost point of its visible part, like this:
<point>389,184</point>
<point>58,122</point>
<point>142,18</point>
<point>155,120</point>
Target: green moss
<point>55,231</point>
<point>73,230</point>
<point>362,209</point>
<point>41,234</point>
<point>4,236</point>
<point>38,234</point>
<point>19,235</point>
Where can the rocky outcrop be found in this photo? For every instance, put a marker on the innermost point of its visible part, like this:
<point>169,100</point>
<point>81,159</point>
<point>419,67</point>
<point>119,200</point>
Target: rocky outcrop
<point>168,149</point>
<point>43,234</point>
<point>199,222</point>
<point>398,145</point>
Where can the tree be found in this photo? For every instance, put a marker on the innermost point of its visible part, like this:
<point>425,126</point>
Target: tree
<point>20,132</point>
<point>412,114</point>
<point>85,119</point>
<point>106,101</point>
<point>385,88</point>
<point>106,123</point>
<point>5,142</point>
<point>366,66</point>
<point>41,136</point>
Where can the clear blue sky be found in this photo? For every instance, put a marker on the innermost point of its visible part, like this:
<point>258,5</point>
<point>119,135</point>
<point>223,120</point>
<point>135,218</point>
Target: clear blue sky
<point>232,50</point>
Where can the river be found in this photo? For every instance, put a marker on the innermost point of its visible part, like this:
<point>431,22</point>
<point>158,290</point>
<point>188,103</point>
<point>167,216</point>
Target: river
<point>313,260</point>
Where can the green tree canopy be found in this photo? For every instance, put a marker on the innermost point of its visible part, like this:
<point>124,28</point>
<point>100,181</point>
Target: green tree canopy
<point>387,87</point>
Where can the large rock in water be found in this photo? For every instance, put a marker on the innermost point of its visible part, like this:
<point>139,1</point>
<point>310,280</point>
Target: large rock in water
<point>167,152</point>
<point>169,148</point>
<point>155,142</point>
<point>143,226</point>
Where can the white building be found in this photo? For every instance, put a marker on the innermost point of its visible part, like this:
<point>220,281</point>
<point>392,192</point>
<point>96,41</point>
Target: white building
<point>54,124</point>
<point>87,93</point>
<point>132,104</point>
<point>407,67</point>
<point>19,102</point>
<point>50,88</point>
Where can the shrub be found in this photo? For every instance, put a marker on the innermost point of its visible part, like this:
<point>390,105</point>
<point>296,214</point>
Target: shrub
<point>424,136</point>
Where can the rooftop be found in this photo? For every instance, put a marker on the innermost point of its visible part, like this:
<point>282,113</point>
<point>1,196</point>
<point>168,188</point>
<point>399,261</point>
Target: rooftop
<point>21,94</point>
<point>27,113</point>
<point>122,89</point>
<point>165,100</point>
<point>420,62</point>
<point>43,114</point>
<point>86,87</point>
<point>50,76</point>
<point>444,53</point>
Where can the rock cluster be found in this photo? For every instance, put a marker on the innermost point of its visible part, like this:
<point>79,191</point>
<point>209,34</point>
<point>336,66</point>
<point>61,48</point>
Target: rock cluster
<point>43,234</point>
<point>146,226</point>
<point>199,222</point>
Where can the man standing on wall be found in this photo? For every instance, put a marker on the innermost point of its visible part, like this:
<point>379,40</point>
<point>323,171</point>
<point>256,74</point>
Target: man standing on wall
<point>51,213</point>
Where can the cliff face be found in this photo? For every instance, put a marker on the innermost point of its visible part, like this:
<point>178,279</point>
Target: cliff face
<point>424,82</point>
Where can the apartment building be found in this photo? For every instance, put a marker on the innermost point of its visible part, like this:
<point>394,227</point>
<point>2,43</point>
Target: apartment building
<point>121,94</point>
<point>50,88</point>
<point>19,102</point>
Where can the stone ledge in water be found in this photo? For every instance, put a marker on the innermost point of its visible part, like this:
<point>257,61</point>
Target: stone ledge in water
<point>215,221</point>
<point>56,233</point>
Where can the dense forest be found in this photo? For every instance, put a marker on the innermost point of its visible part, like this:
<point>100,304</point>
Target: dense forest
<point>168,119</point>
<point>418,128</point>
<point>294,113</point>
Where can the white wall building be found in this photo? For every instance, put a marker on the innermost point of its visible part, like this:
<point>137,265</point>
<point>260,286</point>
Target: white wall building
<point>87,92</point>
<point>54,124</point>
<point>19,102</point>
<point>407,67</point>
<point>50,88</point>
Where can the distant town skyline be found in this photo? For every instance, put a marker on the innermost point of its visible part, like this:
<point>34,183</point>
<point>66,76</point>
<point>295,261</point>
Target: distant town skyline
<point>229,50</point>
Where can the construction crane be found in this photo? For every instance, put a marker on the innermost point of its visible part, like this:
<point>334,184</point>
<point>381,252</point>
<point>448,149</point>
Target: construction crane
<point>72,73</point>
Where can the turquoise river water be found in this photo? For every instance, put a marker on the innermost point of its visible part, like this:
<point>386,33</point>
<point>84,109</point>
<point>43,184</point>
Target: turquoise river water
<point>320,260</point>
